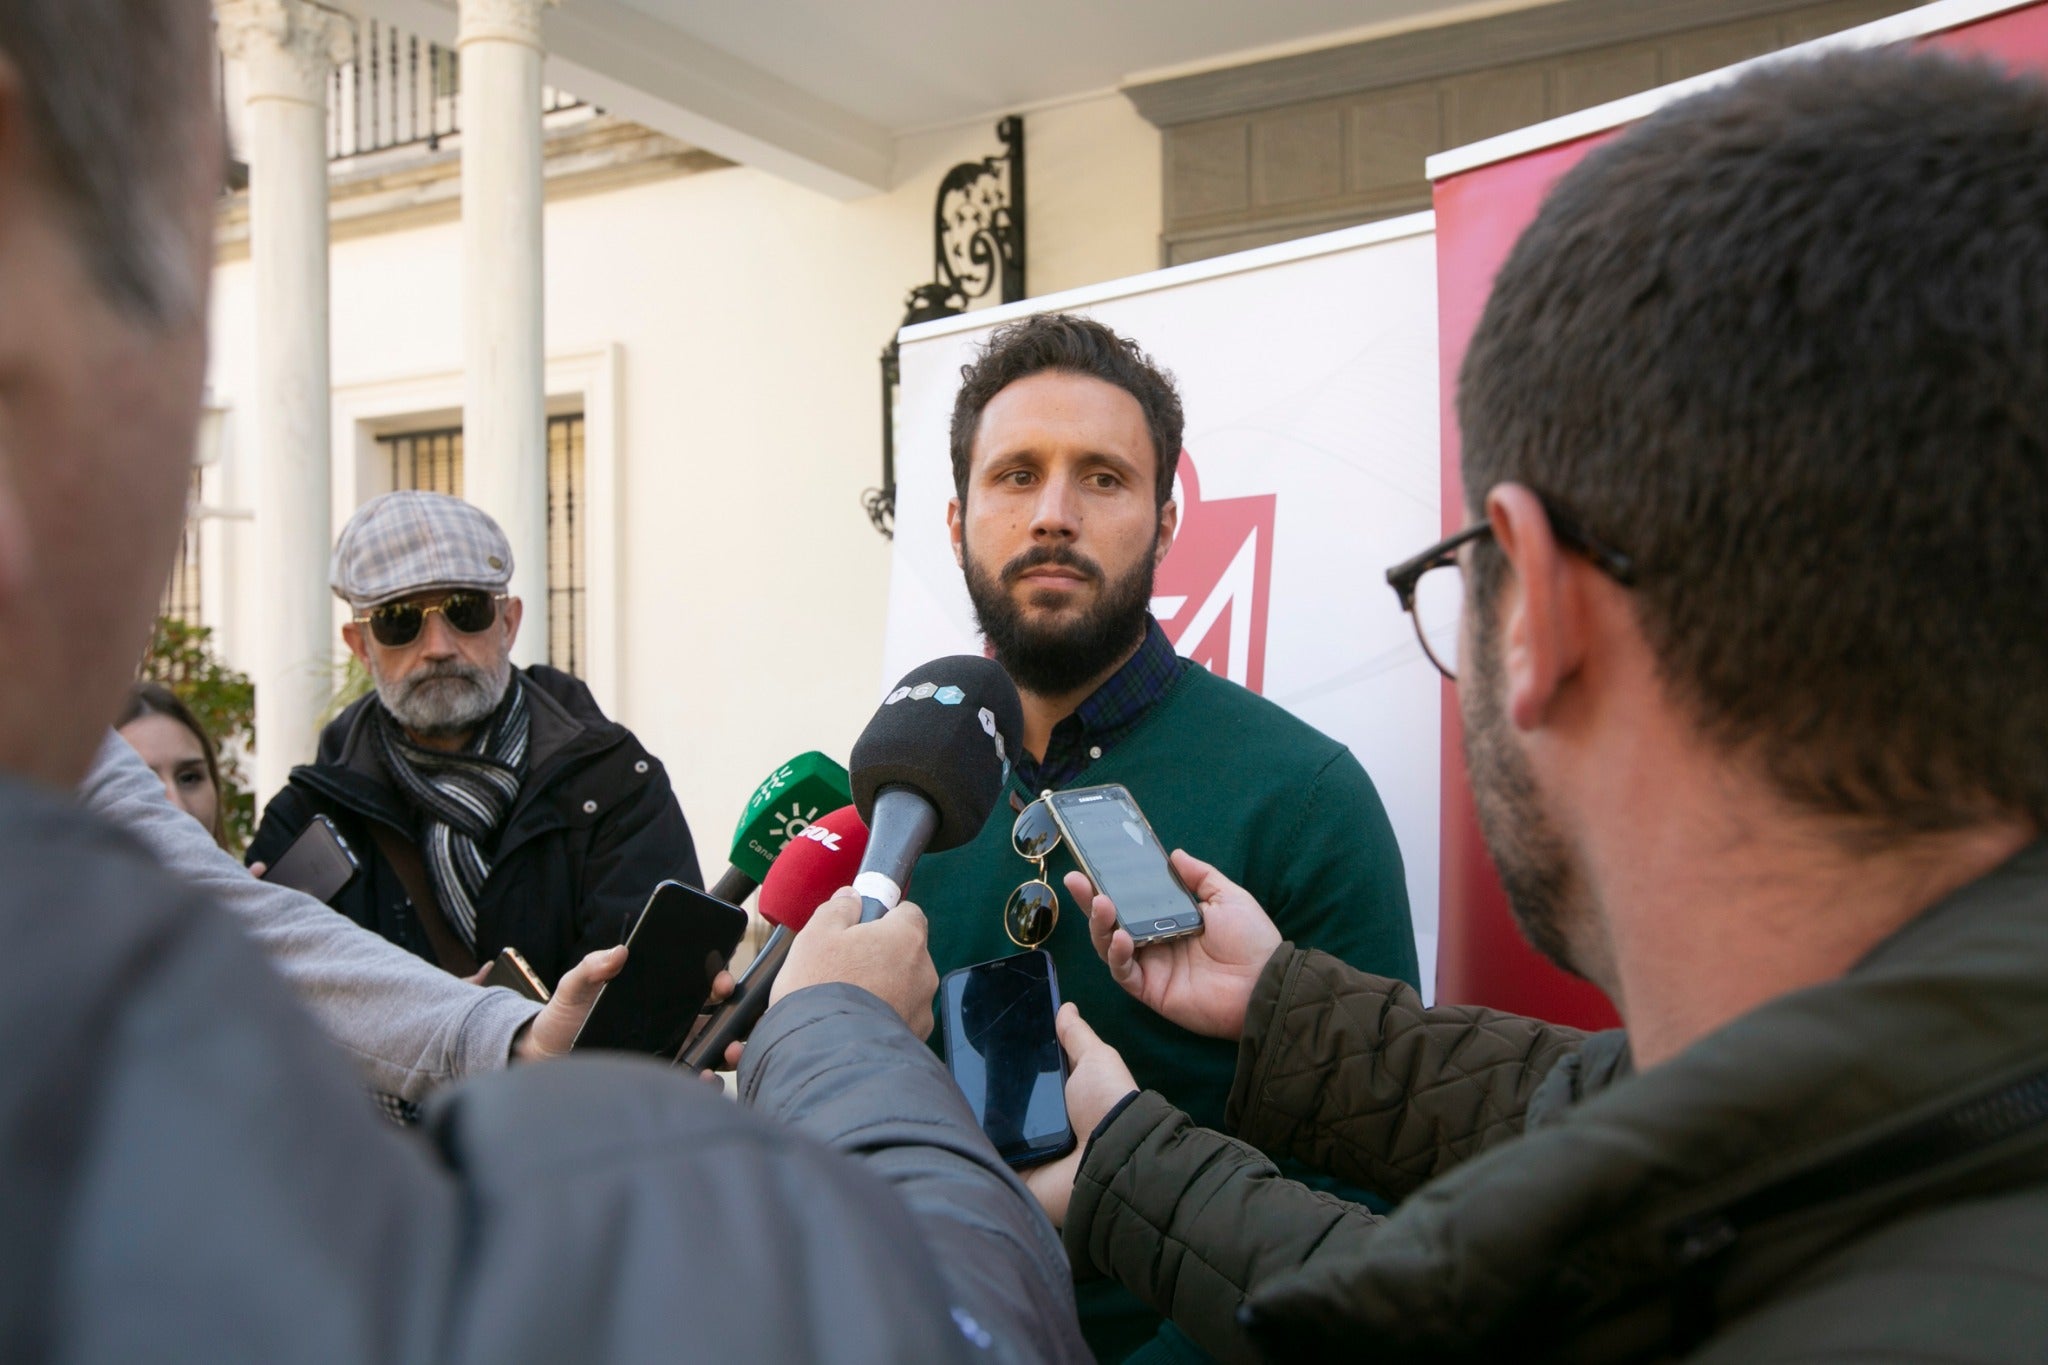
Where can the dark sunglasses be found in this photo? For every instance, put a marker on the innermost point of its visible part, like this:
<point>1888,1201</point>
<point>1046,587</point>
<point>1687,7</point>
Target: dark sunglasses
<point>1033,908</point>
<point>397,624</point>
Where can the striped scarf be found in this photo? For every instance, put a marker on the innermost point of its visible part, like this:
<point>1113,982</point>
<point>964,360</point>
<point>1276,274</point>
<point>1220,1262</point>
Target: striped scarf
<point>462,799</point>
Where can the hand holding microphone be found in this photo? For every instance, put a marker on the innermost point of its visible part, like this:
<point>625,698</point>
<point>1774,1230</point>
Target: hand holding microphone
<point>926,773</point>
<point>889,959</point>
<point>809,871</point>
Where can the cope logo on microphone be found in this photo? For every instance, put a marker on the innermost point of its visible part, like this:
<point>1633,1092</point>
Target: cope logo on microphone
<point>928,691</point>
<point>950,695</point>
<point>821,834</point>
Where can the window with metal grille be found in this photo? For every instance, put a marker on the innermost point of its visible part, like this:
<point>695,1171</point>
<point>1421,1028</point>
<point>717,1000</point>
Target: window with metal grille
<point>181,594</point>
<point>432,460</point>
<point>566,646</point>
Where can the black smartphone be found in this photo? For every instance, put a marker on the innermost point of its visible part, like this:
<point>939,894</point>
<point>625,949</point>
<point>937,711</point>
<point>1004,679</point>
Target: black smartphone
<point>681,941</point>
<point>1005,1055</point>
<point>510,970</point>
<point>1114,844</point>
<point>318,862</point>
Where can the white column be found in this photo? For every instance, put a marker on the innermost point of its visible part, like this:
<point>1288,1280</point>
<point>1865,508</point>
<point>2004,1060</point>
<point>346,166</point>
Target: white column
<point>504,439</point>
<point>288,48</point>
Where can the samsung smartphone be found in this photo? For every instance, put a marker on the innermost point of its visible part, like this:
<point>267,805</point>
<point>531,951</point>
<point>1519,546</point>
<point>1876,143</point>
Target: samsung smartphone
<point>1005,1056</point>
<point>318,862</point>
<point>510,970</point>
<point>1114,844</point>
<point>681,942</point>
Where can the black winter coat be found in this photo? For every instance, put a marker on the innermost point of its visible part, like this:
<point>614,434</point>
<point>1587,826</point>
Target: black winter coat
<point>595,827</point>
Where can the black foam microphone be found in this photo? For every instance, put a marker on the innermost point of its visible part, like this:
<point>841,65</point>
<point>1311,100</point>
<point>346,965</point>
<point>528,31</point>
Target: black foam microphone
<point>930,767</point>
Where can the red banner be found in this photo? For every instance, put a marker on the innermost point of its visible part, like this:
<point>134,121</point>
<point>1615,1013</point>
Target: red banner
<point>1481,957</point>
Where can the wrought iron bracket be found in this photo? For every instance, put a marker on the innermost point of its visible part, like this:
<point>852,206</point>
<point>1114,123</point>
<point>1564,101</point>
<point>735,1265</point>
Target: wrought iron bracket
<point>977,249</point>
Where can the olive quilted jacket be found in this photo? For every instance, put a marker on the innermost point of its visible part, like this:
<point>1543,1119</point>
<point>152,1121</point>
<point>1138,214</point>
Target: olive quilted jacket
<point>1857,1171</point>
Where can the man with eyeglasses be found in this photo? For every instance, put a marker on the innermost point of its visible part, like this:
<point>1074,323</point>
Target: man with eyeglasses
<point>1754,682</point>
<point>491,806</point>
<point>1065,438</point>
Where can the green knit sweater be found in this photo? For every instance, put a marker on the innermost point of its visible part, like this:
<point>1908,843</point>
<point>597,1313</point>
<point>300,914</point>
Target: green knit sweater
<point>1281,808</point>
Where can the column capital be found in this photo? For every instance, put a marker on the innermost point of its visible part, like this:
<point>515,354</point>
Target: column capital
<point>508,21</point>
<point>288,47</point>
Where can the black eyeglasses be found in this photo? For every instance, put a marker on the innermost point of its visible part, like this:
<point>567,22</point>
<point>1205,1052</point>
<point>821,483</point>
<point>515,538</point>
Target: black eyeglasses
<point>397,624</point>
<point>1033,908</point>
<point>1435,602</point>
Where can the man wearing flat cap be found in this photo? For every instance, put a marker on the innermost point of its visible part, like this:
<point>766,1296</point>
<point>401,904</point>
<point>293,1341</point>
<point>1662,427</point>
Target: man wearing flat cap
<point>490,806</point>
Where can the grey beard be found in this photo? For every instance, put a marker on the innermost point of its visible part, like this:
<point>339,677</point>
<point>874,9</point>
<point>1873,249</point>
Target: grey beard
<point>445,700</point>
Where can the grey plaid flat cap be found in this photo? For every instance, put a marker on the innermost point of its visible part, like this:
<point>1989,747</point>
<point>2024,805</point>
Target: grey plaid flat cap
<point>406,542</point>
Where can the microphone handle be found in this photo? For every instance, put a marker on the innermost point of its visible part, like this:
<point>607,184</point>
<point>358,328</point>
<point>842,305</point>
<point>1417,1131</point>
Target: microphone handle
<point>903,823</point>
<point>734,887</point>
<point>735,1019</point>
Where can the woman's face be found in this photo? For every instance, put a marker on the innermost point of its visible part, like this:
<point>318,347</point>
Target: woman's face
<point>173,753</point>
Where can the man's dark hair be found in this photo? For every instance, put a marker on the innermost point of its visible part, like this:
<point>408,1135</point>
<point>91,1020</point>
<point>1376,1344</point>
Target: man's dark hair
<point>1075,345</point>
<point>111,87</point>
<point>1786,344</point>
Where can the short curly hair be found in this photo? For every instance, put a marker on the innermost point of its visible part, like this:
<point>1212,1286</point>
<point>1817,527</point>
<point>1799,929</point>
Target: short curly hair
<point>1786,344</point>
<point>1075,345</point>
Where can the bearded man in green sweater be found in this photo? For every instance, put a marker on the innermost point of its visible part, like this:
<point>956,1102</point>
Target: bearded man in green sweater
<point>1065,437</point>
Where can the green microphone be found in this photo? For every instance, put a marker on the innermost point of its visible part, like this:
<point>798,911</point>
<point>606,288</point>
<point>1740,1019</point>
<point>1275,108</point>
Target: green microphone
<point>783,806</point>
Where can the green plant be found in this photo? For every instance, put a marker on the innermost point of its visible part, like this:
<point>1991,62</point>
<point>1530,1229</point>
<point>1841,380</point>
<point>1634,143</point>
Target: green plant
<point>181,657</point>
<point>351,682</point>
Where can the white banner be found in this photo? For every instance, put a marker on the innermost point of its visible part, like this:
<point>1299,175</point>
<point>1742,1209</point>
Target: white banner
<point>1309,376</point>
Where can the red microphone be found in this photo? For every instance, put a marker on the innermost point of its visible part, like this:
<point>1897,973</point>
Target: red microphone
<point>820,860</point>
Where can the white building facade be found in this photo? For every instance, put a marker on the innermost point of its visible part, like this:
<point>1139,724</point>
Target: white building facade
<point>636,278</point>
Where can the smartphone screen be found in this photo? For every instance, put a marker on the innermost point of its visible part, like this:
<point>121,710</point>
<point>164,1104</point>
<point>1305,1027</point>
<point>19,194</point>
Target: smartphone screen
<point>1117,849</point>
<point>682,940</point>
<point>1005,1055</point>
<point>318,862</point>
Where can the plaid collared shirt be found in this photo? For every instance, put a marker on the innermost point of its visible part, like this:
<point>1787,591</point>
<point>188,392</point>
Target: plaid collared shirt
<point>1111,712</point>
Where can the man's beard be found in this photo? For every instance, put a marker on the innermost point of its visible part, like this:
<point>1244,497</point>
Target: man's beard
<point>1544,888</point>
<point>1054,658</point>
<point>439,701</point>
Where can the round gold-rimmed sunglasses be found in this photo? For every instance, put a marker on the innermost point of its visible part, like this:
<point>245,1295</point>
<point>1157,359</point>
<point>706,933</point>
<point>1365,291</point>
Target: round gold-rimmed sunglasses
<point>1033,908</point>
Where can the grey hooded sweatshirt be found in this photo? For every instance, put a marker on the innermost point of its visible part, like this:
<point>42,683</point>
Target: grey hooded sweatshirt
<point>409,1025</point>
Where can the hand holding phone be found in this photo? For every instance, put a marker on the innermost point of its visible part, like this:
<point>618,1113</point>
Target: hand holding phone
<point>1005,1055</point>
<point>318,863</point>
<point>676,949</point>
<point>1204,984</point>
<point>1096,1080</point>
<point>552,1032</point>
<point>510,970</point>
<point>1114,844</point>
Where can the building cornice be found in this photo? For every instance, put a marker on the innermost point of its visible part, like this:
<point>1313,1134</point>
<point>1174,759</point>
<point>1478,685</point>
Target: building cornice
<point>1432,54</point>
